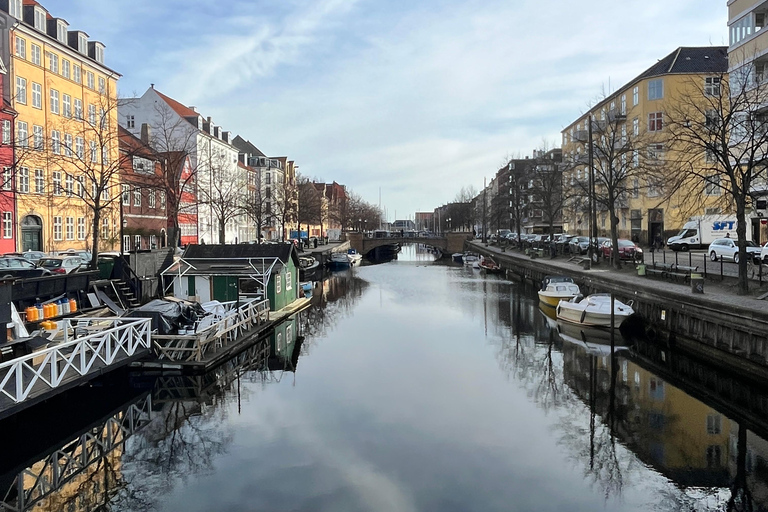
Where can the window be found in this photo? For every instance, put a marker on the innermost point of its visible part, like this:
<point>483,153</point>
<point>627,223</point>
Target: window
<point>65,68</point>
<point>105,228</point>
<point>278,284</point>
<point>40,19</point>
<point>23,180</point>
<point>90,80</point>
<point>655,151</point>
<point>21,47</point>
<point>36,54</point>
<point>714,426</point>
<point>99,54</point>
<point>7,225</point>
<point>57,228</point>
<point>711,120</point>
<point>126,194</point>
<point>268,179</point>
<point>94,152</point>
<point>151,200</point>
<point>127,243</point>
<point>80,147</point>
<point>635,188</point>
<point>288,280</point>
<point>54,101</point>
<point>137,196</point>
<point>105,193</point>
<point>635,158</point>
<point>66,103</point>
<point>654,188</point>
<point>21,90</point>
<point>39,181</point>
<point>130,122</point>
<point>76,73</point>
<point>81,228</point>
<point>92,114</point>
<point>102,85</point>
<point>70,233</point>
<point>38,141</point>
<point>635,96</point>
<point>61,32</point>
<point>656,89</point>
<point>69,184</point>
<point>102,119</point>
<point>712,86</point>
<point>7,132</point>
<point>162,199</point>
<point>712,185</point>
<point>57,183</point>
<point>68,145</point>
<point>81,186</point>
<point>15,8</point>
<point>624,104</point>
<point>714,456</point>
<point>56,142</point>
<point>655,121</point>
<point>137,242</point>
<point>82,44</point>
<point>37,95</point>
<point>53,61</point>
<point>7,179</point>
<point>78,109</point>
<point>22,135</point>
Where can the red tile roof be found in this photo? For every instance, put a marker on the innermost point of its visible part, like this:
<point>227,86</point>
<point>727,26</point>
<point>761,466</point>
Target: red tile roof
<point>180,109</point>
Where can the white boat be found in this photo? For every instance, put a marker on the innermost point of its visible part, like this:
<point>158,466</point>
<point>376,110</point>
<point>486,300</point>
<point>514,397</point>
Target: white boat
<point>470,258</point>
<point>594,310</point>
<point>339,261</point>
<point>557,288</point>
<point>355,258</point>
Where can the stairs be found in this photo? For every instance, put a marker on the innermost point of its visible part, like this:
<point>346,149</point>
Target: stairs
<point>126,295</point>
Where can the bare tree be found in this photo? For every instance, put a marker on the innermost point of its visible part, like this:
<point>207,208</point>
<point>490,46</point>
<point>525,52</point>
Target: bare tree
<point>547,179</point>
<point>719,126</point>
<point>258,205</point>
<point>310,203</point>
<point>224,192</point>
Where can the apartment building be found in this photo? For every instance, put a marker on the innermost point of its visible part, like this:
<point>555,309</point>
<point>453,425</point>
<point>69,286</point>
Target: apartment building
<point>628,134</point>
<point>66,144</point>
<point>7,182</point>
<point>221,184</point>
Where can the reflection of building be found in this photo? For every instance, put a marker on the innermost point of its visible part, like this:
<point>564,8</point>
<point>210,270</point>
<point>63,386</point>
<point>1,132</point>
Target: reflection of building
<point>680,436</point>
<point>284,354</point>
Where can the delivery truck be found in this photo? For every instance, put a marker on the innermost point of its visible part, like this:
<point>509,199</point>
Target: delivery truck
<point>699,232</point>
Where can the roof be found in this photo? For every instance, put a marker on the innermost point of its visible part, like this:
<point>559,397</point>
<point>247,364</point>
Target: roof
<point>246,146</point>
<point>241,252</point>
<point>132,144</point>
<point>177,107</point>
<point>684,60</point>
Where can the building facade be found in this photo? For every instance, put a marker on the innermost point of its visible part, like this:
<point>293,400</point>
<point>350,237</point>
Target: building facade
<point>66,143</point>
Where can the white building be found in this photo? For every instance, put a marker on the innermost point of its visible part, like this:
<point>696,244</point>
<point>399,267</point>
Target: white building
<point>221,183</point>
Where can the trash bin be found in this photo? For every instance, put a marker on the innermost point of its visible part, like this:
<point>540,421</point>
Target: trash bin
<point>697,283</point>
<point>105,267</point>
<point>314,243</point>
<point>641,269</point>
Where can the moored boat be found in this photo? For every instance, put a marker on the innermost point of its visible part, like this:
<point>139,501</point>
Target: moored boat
<point>355,258</point>
<point>557,288</point>
<point>338,261</point>
<point>458,257</point>
<point>594,310</point>
<point>490,266</point>
<point>308,266</point>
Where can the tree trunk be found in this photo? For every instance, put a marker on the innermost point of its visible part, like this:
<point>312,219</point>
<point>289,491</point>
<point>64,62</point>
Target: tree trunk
<point>615,239</point>
<point>741,237</point>
<point>222,230</point>
<point>95,235</point>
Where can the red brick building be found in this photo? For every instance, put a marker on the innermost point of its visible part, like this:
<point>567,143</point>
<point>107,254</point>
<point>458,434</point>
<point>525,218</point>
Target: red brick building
<point>10,180</point>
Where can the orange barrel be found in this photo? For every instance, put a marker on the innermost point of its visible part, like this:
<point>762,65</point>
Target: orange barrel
<point>31,313</point>
<point>48,309</point>
<point>72,305</point>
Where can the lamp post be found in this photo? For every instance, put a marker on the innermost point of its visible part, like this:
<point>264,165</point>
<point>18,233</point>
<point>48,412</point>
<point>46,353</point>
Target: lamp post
<point>359,224</point>
<point>365,226</point>
<point>449,224</point>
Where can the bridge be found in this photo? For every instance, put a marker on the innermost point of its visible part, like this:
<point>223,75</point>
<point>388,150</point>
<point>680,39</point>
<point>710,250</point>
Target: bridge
<point>448,243</point>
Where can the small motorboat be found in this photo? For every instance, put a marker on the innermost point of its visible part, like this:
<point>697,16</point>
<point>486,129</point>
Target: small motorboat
<point>557,288</point>
<point>470,258</point>
<point>490,266</point>
<point>458,257</point>
<point>308,266</point>
<point>594,310</point>
<point>355,258</point>
<point>339,261</point>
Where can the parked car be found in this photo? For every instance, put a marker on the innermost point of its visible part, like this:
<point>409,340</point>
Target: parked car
<point>764,253</point>
<point>61,264</point>
<point>727,249</point>
<point>579,244</point>
<point>11,266</point>
<point>563,243</point>
<point>84,255</point>
<point>33,256</point>
<point>628,250</point>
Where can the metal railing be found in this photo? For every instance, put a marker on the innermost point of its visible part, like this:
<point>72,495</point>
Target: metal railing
<point>226,328</point>
<point>97,343</point>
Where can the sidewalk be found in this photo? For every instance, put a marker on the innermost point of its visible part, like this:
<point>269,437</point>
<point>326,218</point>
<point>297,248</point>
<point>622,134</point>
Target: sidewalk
<point>716,293</point>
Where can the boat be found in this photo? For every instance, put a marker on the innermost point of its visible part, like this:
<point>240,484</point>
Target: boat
<point>490,266</point>
<point>355,258</point>
<point>307,288</point>
<point>470,258</point>
<point>339,261</point>
<point>594,310</point>
<point>557,288</point>
<point>458,257</point>
<point>308,267</point>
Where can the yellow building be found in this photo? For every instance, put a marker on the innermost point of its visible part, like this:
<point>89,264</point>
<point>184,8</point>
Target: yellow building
<point>67,152</point>
<point>629,127</point>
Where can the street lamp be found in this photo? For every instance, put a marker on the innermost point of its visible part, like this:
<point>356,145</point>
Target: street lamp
<point>365,226</point>
<point>449,223</point>
<point>359,224</point>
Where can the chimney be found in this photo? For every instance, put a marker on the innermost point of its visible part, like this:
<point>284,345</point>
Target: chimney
<point>146,133</point>
<point>193,108</point>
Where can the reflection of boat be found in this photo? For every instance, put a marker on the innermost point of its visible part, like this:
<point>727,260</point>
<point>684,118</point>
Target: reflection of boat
<point>490,266</point>
<point>557,288</point>
<point>594,310</point>
<point>596,341</point>
<point>307,289</point>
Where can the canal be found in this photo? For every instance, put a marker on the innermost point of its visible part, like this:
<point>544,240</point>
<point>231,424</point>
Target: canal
<point>409,386</point>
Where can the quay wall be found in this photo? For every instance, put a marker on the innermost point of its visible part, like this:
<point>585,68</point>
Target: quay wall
<point>729,335</point>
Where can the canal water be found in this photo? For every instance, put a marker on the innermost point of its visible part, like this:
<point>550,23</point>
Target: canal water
<point>410,386</point>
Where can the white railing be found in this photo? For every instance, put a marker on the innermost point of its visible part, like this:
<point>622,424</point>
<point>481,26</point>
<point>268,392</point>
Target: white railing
<point>224,329</point>
<point>90,344</point>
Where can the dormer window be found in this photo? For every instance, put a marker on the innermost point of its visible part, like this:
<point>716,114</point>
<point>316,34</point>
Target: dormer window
<point>15,9</point>
<point>40,19</point>
<point>82,44</point>
<point>61,32</point>
<point>99,54</point>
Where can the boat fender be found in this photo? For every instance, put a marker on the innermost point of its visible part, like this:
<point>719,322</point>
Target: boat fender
<point>583,314</point>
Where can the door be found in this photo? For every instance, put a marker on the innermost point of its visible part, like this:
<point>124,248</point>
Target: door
<point>31,234</point>
<point>225,288</point>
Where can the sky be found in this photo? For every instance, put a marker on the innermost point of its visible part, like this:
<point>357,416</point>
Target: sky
<point>407,101</point>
